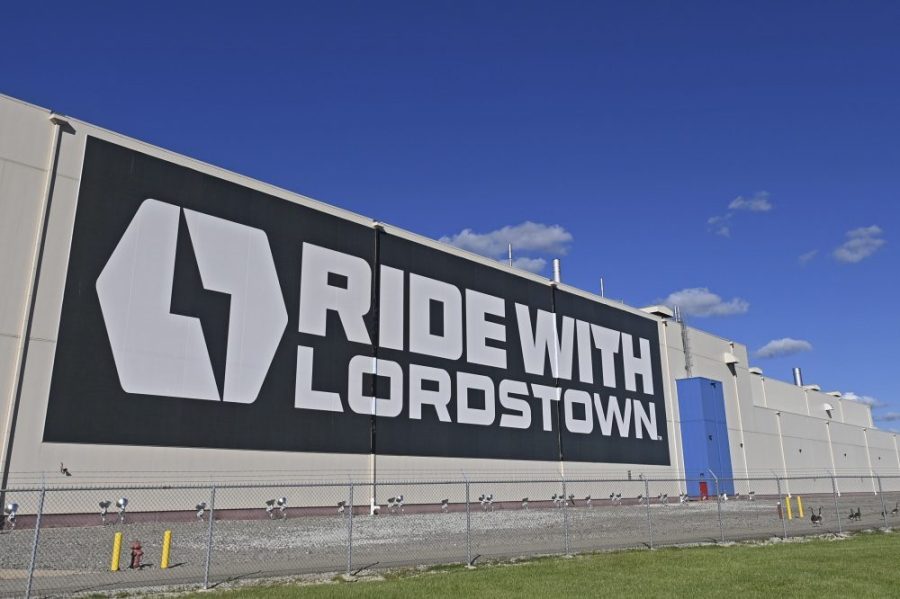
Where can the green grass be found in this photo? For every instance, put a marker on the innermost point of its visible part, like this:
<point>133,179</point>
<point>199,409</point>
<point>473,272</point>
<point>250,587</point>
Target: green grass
<point>862,566</point>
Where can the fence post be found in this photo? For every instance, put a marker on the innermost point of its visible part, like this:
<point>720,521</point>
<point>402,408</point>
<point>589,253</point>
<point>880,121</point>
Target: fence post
<point>719,511</point>
<point>781,505</point>
<point>350,530</point>
<point>837,511</point>
<point>649,519</point>
<point>883,506</point>
<point>468,528</point>
<point>209,536</point>
<point>34,547</point>
<point>718,505</point>
<point>565,514</point>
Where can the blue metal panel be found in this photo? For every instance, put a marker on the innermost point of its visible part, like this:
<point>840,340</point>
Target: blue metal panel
<point>690,399</point>
<point>714,400</point>
<point>694,433</point>
<point>704,434</point>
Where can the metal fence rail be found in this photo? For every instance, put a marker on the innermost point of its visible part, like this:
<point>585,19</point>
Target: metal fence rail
<point>93,539</point>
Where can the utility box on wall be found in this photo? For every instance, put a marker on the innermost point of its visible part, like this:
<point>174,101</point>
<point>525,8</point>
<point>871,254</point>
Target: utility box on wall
<point>704,435</point>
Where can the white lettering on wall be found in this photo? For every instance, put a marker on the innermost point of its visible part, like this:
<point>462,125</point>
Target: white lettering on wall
<point>613,414</point>
<point>317,297</point>
<point>479,329</point>
<point>422,293</point>
<point>578,425</point>
<point>304,395</point>
<point>546,395</point>
<point>516,404</point>
<point>465,413</point>
<point>361,403</point>
<point>390,308</point>
<point>542,341</point>
<point>637,365</point>
<point>438,398</point>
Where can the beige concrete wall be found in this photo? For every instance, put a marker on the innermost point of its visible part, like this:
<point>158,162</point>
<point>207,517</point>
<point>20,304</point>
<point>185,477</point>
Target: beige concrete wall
<point>856,413</point>
<point>25,142</point>
<point>785,397</point>
<point>25,138</point>
<point>882,452</point>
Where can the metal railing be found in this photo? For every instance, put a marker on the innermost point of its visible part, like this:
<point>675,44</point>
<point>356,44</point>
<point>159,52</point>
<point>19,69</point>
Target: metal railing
<point>107,538</point>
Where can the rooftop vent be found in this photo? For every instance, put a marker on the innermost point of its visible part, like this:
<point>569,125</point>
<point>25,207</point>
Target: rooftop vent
<point>661,311</point>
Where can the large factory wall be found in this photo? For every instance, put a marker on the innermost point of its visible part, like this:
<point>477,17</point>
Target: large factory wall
<point>24,159</point>
<point>24,148</point>
<point>765,451</point>
<point>806,451</point>
<point>707,357</point>
<point>27,132</point>
<point>777,428</point>
<point>816,440</point>
<point>786,397</point>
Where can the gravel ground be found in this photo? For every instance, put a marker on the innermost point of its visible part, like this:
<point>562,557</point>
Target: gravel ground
<point>76,559</point>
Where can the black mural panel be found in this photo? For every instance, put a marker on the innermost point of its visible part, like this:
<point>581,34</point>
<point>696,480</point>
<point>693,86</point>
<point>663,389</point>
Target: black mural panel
<point>200,313</point>
<point>643,397</point>
<point>431,436</point>
<point>87,401</point>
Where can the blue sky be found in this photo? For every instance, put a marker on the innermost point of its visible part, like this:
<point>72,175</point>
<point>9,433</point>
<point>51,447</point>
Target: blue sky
<point>748,149</point>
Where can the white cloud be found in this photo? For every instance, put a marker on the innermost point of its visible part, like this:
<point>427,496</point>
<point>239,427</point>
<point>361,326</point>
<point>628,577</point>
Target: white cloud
<point>758,202</point>
<point>860,244</point>
<point>535,265</point>
<point>866,399</point>
<point>807,257</point>
<point>783,347</point>
<point>524,237</point>
<point>527,239</point>
<point>700,301</point>
<point>889,417</point>
<point>719,225</point>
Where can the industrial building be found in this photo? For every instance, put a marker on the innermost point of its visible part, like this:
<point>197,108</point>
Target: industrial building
<point>162,319</point>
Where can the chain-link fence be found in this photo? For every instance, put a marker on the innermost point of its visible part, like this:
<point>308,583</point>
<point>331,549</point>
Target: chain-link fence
<point>57,541</point>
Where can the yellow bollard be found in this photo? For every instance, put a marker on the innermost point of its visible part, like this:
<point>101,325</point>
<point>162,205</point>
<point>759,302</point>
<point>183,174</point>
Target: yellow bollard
<point>799,506</point>
<point>117,549</point>
<point>167,543</point>
<point>787,501</point>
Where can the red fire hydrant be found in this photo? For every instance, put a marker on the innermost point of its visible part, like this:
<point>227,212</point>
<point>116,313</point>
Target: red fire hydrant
<point>137,554</point>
